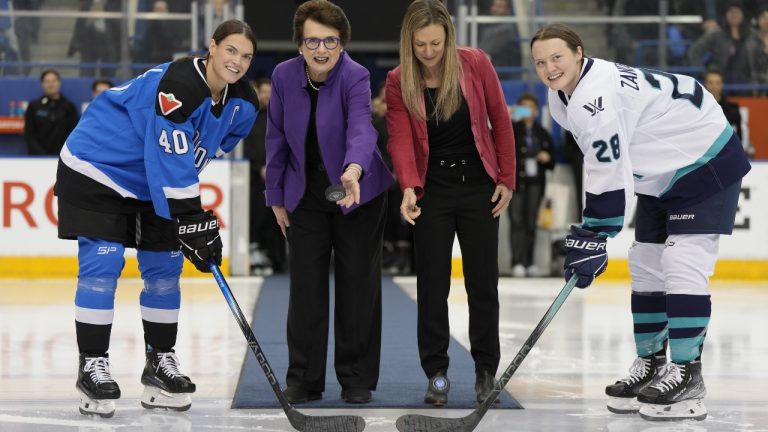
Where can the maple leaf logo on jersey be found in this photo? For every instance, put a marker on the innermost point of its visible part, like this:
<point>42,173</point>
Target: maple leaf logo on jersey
<point>168,103</point>
<point>595,106</point>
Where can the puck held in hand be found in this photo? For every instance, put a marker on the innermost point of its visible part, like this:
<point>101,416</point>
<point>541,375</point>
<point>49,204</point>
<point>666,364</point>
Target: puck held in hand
<point>335,193</point>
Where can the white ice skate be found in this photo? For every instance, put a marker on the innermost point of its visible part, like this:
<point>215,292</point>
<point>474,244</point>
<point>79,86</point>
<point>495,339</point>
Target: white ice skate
<point>155,397</point>
<point>98,390</point>
<point>100,407</point>
<point>165,387</point>
<point>685,410</point>
<point>678,395</point>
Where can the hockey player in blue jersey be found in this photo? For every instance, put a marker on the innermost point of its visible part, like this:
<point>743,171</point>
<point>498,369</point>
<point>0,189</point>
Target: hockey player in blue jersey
<point>128,178</point>
<point>664,138</point>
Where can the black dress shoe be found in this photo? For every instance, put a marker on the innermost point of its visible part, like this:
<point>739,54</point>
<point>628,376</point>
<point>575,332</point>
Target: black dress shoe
<point>297,395</point>
<point>437,390</point>
<point>484,383</point>
<point>356,395</point>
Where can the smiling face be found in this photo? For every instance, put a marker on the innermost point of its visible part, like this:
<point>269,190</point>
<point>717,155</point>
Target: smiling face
<point>229,59</point>
<point>429,46</point>
<point>320,60</point>
<point>557,66</point>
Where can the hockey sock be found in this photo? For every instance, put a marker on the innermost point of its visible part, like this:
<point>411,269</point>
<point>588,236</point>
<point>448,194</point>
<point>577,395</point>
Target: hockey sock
<point>688,320</point>
<point>650,321</point>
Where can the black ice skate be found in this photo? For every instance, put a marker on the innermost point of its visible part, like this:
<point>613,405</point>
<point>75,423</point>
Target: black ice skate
<point>675,396</point>
<point>165,386</point>
<point>622,395</point>
<point>97,388</point>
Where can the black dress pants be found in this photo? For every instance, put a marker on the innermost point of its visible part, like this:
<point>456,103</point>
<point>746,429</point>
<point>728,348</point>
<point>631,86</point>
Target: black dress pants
<point>317,228</point>
<point>457,202</point>
<point>523,214</point>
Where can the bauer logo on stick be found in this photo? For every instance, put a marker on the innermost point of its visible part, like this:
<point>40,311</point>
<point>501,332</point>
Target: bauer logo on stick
<point>168,103</point>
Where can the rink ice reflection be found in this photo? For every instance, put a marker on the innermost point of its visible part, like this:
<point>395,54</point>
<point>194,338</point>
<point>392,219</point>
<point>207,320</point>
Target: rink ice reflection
<point>587,346</point>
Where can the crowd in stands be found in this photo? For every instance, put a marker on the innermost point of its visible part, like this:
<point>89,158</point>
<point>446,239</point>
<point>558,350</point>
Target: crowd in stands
<point>729,46</point>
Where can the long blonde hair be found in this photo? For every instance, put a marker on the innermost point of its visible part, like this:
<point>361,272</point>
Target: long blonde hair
<point>420,14</point>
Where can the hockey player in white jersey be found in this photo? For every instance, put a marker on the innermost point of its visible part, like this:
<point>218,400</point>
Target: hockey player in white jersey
<point>128,178</point>
<point>664,138</point>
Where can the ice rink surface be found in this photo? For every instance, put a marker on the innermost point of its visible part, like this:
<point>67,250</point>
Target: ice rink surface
<point>587,346</point>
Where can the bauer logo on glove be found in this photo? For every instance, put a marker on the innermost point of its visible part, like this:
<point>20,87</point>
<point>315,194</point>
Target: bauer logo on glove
<point>586,255</point>
<point>200,240</point>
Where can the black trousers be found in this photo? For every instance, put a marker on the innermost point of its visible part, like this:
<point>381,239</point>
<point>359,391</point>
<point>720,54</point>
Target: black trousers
<point>523,214</point>
<point>318,228</point>
<point>457,202</point>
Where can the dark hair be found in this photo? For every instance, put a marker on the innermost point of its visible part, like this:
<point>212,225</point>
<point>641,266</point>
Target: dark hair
<point>560,31</point>
<point>324,12</point>
<point>231,27</point>
<point>95,83</point>
<point>50,71</point>
<point>528,97</point>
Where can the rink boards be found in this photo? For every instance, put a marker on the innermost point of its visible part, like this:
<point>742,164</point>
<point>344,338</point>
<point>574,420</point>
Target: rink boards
<point>29,246</point>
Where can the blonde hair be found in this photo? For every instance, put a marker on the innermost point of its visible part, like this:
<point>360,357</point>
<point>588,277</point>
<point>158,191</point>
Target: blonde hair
<point>420,14</point>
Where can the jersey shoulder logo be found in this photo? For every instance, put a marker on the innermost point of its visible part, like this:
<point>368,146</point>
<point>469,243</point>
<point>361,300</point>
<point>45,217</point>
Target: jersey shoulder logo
<point>168,103</point>
<point>595,106</point>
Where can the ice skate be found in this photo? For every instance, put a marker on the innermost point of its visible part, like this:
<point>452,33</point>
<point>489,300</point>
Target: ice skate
<point>622,395</point>
<point>97,388</point>
<point>678,395</point>
<point>164,385</point>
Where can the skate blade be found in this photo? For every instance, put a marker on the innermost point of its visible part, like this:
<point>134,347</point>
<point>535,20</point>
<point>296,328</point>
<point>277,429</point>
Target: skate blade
<point>156,398</point>
<point>692,409</point>
<point>101,407</point>
<point>619,405</point>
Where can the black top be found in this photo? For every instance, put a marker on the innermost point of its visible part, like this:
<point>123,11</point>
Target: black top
<point>314,162</point>
<point>47,124</point>
<point>452,138</point>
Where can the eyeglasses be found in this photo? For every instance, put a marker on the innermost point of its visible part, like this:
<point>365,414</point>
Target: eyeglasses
<point>313,43</point>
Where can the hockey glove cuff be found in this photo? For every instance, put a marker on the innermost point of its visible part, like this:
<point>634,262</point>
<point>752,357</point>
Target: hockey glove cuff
<point>200,240</point>
<point>586,255</point>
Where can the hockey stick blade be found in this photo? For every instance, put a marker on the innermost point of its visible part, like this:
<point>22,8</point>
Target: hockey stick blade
<point>468,423</point>
<point>300,422</point>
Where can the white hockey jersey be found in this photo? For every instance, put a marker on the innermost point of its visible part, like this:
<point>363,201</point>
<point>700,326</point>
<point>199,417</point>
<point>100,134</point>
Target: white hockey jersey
<point>647,132</point>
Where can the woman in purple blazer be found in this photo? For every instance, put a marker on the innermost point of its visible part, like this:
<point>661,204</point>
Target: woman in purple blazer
<point>319,133</point>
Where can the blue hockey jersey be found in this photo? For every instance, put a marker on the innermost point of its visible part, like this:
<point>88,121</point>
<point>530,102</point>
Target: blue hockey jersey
<point>147,140</point>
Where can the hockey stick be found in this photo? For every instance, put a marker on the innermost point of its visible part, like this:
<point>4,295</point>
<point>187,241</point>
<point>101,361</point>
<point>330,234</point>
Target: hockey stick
<point>422,423</point>
<point>299,421</point>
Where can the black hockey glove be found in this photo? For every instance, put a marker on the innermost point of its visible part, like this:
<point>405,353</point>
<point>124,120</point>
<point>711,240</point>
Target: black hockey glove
<point>200,241</point>
<point>586,256</point>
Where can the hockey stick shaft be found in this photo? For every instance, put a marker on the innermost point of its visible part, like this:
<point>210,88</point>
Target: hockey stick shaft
<point>250,337</point>
<point>301,422</point>
<point>531,341</point>
<point>422,423</point>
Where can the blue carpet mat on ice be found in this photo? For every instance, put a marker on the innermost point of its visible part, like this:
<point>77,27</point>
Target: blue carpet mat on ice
<point>401,381</point>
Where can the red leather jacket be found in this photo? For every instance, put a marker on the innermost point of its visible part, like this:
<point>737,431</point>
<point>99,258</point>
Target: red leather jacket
<point>491,126</point>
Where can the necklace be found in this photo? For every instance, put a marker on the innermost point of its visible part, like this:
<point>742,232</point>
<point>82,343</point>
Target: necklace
<point>309,80</point>
<point>434,106</point>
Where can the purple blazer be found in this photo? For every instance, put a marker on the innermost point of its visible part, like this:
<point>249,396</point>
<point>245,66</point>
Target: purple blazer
<point>344,132</point>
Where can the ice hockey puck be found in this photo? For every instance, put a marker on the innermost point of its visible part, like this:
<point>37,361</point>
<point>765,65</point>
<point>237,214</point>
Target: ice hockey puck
<point>335,192</point>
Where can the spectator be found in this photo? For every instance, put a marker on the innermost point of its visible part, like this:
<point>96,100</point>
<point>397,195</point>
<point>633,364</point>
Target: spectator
<point>734,49</point>
<point>713,82</point>
<point>762,29</point>
<point>49,120</point>
<point>26,30</point>
<point>500,41</point>
<point>267,249</point>
<point>9,49</point>
<point>534,157</point>
<point>96,39</point>
<point>161,36</point>
<point>97,87</point>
